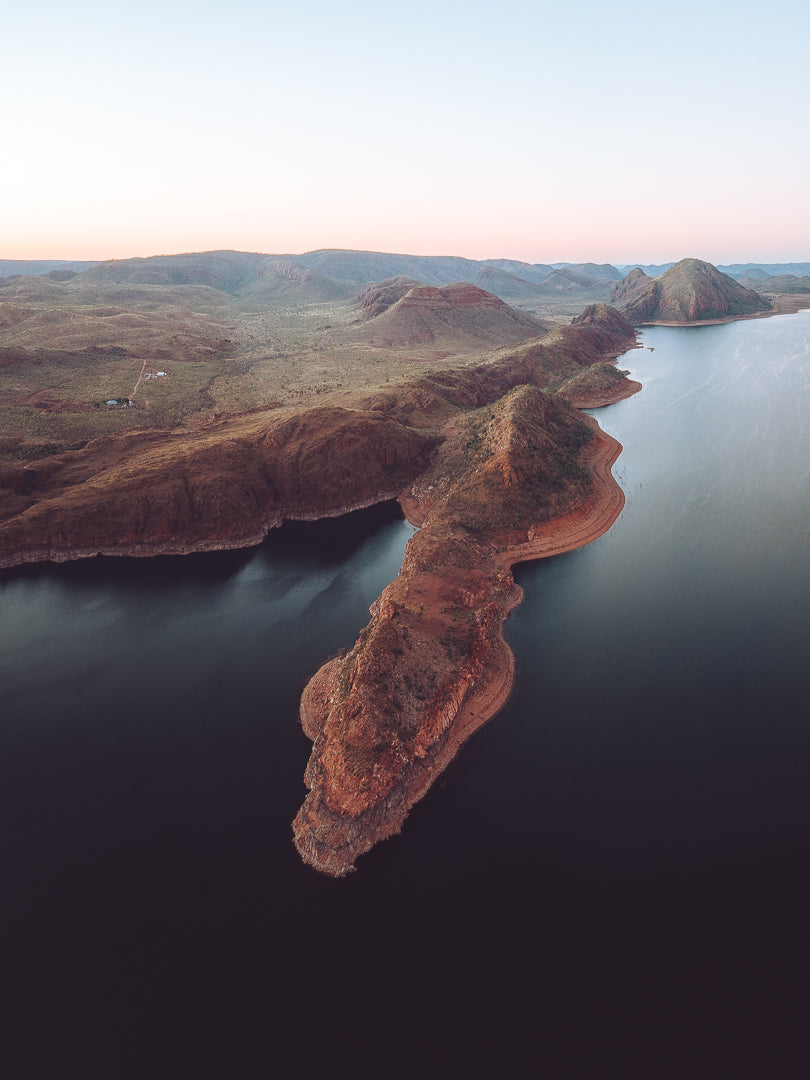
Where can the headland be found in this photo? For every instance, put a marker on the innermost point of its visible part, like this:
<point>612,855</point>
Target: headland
<point>519,479</point>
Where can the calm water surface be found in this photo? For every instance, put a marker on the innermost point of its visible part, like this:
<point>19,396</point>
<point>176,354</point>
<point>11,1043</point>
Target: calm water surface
<point>611,880</point>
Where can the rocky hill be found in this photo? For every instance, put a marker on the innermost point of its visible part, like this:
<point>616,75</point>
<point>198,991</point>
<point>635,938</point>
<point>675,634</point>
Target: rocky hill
<point>381,295</point>
<point>690,291</point>
<point>224,270</point>
<point>459,316</point>
<point>506,284</point>
<point>636,295</point>
<point>280,280</point>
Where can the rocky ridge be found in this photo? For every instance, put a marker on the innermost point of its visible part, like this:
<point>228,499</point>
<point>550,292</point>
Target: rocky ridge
<point>228,483</point>
<point>519,480</point>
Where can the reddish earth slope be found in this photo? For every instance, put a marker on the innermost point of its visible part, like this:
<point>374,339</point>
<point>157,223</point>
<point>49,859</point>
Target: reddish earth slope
<point>459,316</point>
<point>226,484</point>
<point>526,478</point>
<point>171,492</point>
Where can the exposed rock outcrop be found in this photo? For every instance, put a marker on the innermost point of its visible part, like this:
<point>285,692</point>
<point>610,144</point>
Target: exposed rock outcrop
<point>523,479</point>
<point>167,493</point>
<point>637,296</point>
<point>381,295</point>
<point>519,478</point>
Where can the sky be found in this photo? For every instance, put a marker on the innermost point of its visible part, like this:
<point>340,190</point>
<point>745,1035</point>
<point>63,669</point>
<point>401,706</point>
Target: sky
<point>577,131</point>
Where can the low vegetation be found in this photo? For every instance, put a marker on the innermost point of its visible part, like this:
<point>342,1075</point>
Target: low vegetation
<point>72,342</point>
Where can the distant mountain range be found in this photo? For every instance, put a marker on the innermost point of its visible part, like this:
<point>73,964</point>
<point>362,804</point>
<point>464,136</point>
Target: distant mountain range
<point>736,270</point>
<point>325,275</point>
<point>332,273</point>
<point>35,267</point>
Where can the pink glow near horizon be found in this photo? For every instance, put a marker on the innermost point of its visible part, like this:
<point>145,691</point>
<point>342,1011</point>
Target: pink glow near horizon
<point>540,136</point>
<point>620,250</point>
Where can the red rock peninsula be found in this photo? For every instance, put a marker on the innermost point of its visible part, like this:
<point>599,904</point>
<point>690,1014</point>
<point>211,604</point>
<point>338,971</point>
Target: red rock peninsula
<point>525,480</point>
<point>519,479</point>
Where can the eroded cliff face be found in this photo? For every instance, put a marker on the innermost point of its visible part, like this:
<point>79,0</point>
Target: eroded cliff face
<point>385,718</point>
<point>455,313</point>
<point>172,493</point>
<point>432,665</point>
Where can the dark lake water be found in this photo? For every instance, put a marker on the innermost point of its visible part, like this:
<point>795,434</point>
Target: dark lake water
<point>611,880</point>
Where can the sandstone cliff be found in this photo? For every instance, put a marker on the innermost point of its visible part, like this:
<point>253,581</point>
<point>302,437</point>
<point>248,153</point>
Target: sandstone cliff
<point>170,492</point>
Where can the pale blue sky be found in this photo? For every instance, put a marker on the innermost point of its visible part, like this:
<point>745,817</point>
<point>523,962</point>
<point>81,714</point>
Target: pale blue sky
<point>618,132</point>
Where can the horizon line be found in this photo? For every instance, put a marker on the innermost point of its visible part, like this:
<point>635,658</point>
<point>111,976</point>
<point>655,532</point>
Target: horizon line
<point>403,254</point>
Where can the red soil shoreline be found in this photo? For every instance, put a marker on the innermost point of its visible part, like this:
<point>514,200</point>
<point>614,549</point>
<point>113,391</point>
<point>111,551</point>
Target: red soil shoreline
<point>565,534</point>
<point>330,836</point>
